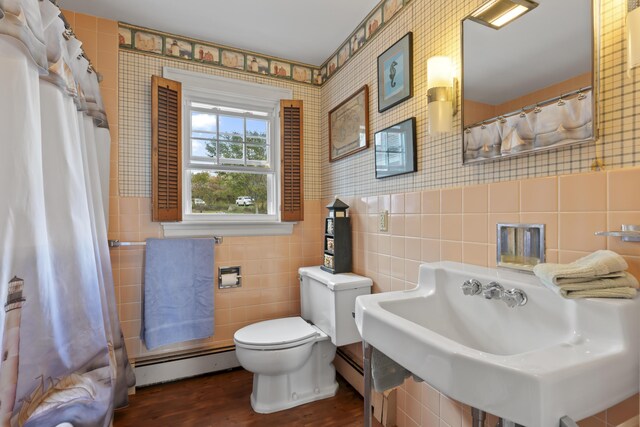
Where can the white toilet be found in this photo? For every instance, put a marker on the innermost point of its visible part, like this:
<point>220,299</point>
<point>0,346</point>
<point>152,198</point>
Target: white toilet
<point>292,358</point>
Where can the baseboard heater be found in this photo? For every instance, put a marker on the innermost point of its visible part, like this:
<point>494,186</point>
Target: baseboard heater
<point>166,368</point>
<point>350,370</point>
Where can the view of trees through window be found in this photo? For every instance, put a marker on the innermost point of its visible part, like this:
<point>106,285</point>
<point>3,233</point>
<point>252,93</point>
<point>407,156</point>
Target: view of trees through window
<point>220,142</point>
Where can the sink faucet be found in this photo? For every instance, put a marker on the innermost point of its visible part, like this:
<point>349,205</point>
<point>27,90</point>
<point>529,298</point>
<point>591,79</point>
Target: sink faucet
<point>494,290</point>
<point>471,287</point>
<point>514,297</point>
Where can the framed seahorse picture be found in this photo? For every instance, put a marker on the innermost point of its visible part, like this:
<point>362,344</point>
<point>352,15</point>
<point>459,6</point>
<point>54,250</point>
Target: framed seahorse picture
<point>395,73</point>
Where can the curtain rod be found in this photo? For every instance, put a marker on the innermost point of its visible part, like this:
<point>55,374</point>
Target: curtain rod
<point>68,34</point>
<point>531,107</point>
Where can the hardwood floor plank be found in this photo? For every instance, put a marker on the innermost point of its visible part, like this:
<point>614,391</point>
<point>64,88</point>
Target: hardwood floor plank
<point>222,399</point>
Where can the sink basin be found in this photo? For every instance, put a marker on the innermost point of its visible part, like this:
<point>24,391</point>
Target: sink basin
<point>530,364</point>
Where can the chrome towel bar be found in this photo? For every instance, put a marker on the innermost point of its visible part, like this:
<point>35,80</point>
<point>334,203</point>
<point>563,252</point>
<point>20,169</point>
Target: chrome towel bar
<point>117,243</point>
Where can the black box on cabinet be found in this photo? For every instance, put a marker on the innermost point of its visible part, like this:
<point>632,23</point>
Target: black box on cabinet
<point>337,239</point>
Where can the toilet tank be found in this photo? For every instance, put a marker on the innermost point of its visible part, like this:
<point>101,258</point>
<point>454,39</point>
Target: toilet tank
<point>328,301</point>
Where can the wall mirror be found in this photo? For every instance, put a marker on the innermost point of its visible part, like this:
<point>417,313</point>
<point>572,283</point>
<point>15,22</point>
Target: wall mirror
<point>531,84</point>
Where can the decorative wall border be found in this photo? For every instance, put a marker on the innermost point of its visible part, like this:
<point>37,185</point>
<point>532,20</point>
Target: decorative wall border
<point>135,38</point>
<point>376,20</point>
<point>173,46</point>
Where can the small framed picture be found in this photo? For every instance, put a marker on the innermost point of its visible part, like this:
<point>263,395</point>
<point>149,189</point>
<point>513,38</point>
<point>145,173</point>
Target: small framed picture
<point>349,125</point>
<point>178,48</point>
<point>330,244</point>
<point>373,23</point>
<point>302,74</point>
<point>357,40</point>
<point>343,55</point>
<point>233,59</point>
<point>332,66</point>
<point>124,37</point>
<point>395,73</point>
<point>257,64</point>
<point>148,42</point>
<point>396,149</point>
<point>280,69</point>
<point>390,8</point>
<point>204,53</point>
<point>329,226</point>
<point>328,261</point>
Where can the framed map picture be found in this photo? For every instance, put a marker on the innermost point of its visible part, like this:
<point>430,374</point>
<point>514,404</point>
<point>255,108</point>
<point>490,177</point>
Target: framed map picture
<point>349,125</point>
<point>395,73</point>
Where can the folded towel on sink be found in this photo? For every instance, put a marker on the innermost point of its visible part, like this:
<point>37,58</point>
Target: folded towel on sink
<point>597,275</point>
<point>627,293</point>
<point>602,264</point>
<point>599,287</point>
<point>386,373</point>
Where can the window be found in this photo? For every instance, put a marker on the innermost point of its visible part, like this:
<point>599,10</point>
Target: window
<point>231,156</point>
<point>229,166</point>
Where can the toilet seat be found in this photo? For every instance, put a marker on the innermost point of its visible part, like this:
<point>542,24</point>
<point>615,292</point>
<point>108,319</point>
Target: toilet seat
<point>276,334</point>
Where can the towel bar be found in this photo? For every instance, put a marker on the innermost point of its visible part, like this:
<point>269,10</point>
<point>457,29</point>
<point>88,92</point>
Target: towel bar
<point>117,243</point>
<point>629,233</point>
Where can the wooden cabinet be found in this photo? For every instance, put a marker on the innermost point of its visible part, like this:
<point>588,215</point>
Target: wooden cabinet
<point>337,245</point>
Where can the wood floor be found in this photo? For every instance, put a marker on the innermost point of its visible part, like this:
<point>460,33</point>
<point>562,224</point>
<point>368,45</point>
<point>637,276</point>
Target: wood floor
<point>222,399</point>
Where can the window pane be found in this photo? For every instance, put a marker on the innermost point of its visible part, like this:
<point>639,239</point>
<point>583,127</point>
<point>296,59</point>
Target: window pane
<point>204,135</point>
<point>257,131</point>
<point>203,148</point>
<point>231,152</point>
<point>203,122</point>
<point>257,152</point>
<point>231,128</point>
<point>228,193</point>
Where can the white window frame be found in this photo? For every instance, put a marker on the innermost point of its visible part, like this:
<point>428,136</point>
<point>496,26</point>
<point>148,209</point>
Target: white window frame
<point>218,90</point>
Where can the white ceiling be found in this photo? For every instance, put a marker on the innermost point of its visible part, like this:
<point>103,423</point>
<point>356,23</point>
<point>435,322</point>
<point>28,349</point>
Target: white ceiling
<point>307,31</point>
<point>550,44</point>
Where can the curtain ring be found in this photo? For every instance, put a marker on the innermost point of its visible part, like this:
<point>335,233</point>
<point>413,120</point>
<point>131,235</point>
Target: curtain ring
<point>561,101</point>
<point>537,109</point>
<point>581,96</point>
<point>502,119</point>
<point>483,126</point>
<point>523,114</point>
<point>467,130</point>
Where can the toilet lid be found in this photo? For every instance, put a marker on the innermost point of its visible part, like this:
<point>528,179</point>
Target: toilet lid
<point>276,332</point>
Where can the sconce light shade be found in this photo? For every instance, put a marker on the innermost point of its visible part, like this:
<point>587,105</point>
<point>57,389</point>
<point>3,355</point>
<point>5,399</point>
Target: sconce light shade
<point>633,38</point>
<point>440,94</point>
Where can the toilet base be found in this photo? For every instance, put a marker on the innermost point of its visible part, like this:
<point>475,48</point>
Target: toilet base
<point>315,380</point>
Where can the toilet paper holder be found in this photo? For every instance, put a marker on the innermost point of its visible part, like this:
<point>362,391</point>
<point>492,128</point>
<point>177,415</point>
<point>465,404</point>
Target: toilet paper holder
<point>229,277</point>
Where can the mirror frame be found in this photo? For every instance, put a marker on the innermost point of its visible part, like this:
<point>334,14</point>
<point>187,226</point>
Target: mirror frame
<point>595,94</point>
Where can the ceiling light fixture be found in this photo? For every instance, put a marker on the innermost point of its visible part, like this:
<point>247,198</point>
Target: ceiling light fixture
<point>498,13</point>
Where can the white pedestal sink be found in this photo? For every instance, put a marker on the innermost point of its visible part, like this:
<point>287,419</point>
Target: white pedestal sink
<point>530,364</point>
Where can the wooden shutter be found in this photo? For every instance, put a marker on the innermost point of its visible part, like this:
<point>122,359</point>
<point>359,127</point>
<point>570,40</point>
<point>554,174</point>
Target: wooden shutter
<point>166,154</point>
<point>292,186</point>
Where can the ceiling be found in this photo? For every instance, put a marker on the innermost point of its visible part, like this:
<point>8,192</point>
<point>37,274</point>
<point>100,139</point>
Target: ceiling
<point>307,31</point>
<point>548,45</point>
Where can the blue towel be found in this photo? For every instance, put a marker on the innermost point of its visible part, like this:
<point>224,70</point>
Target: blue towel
<point>178,291</point>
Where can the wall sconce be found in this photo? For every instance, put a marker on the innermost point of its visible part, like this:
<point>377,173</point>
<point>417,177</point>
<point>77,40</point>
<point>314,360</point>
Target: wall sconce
<point>498,13</point>
<point>441,95</point>
<point>633,35</point>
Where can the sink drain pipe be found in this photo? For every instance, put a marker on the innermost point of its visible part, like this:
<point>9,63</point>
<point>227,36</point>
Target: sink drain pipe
<point>477,417</point>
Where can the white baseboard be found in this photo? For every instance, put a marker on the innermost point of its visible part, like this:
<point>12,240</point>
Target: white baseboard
<point>162,372</point>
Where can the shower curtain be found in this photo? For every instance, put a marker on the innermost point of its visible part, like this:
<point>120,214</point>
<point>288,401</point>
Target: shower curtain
<point>62,355</point>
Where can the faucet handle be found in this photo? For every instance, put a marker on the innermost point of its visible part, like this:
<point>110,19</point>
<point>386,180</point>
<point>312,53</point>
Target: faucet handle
<point>514,297</point>
<point>471,287</point>
<point>493,290</point>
